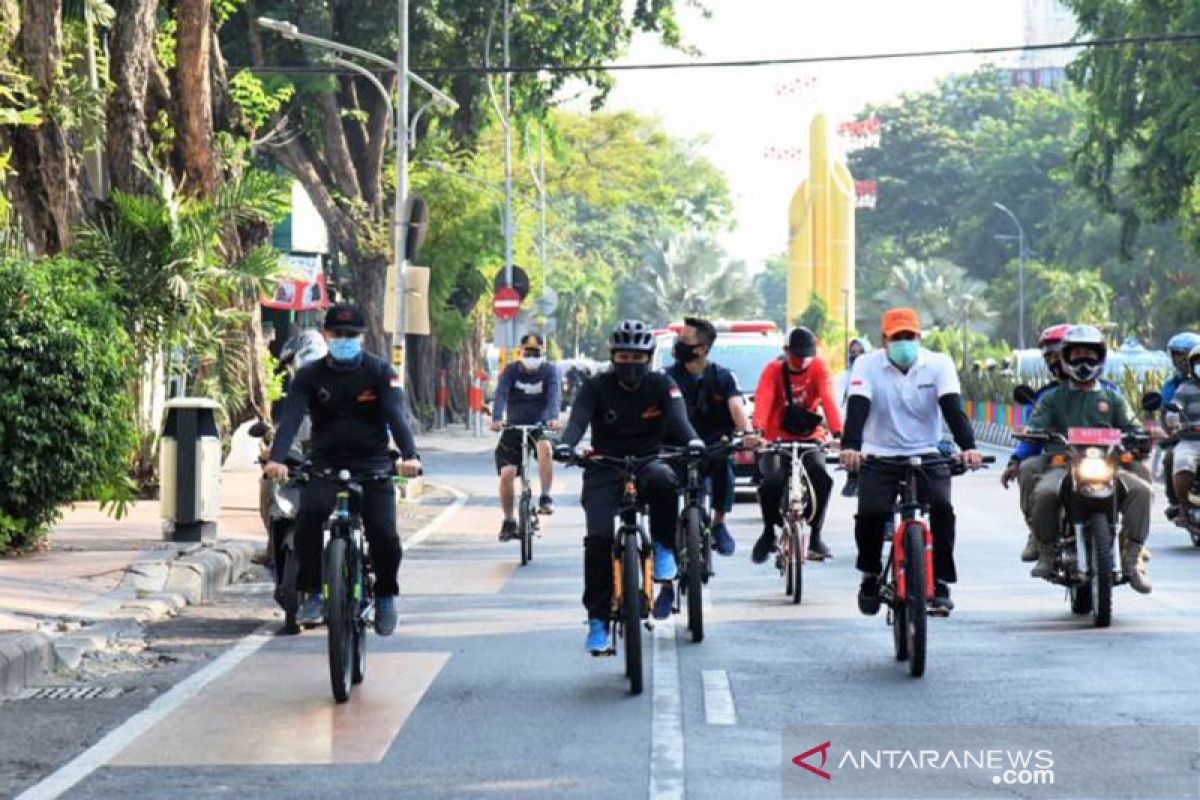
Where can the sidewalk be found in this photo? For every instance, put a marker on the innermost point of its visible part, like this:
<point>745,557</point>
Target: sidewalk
<point>457,439</point>
<point>97,570</point>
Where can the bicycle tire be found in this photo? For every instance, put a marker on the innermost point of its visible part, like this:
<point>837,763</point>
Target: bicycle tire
<point>917,608</point>
<point>289,595</point>
<point>338,618</point>
<point>693,527</point>
<point>1100,563</point>
<point>525,528</point>
<point>359,671</point>
<point>796,566</point>
<point>631,609</point>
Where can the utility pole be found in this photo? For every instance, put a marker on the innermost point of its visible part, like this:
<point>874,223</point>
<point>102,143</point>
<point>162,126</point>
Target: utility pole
<point>400,207</point>
<point>1022,254</point>
<point>511,324</point>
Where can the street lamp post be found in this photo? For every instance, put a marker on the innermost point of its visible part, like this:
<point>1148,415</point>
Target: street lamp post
<point>401,135</point>
<point>1022,254</point>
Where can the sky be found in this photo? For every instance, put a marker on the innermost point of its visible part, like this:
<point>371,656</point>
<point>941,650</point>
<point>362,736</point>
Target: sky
<point>739,113</point>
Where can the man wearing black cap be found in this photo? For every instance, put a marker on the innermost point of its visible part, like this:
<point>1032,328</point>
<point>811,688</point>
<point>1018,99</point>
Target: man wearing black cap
<point>790,392</point>
<point>353,398</point>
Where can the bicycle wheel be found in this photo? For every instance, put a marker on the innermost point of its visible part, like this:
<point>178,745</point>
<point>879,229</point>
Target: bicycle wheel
<point>525,527</point>
<point>916,616</point>
<point>289,597</point>
<point>796,567</point>
<point>1100,564</point>
<point>359,671</point>
<point>631,609</point>
<point>900,631</point>
<point>694,579</point>
<point>339,618</point>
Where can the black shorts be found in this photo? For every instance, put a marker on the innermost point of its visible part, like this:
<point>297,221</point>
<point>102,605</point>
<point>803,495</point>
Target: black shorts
<point>508,451</point>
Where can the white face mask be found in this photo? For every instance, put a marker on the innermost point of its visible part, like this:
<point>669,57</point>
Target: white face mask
<point>1196,370</point>
<point>532,362</point>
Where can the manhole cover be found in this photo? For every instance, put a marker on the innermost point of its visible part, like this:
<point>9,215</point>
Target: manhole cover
<point>70,693</point>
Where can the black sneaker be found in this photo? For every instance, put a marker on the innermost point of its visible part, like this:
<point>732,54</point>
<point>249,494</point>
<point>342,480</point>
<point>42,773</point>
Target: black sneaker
<point>851,487</point>
<point>508,531</point>
<point>942,604</point>
<point>764,546</point>
<point>817,549</point>
<point>1171,512</point>
<point>868,595</point>
<point>546,505</point>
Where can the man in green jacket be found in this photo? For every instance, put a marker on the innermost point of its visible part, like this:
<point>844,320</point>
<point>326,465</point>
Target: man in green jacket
<point>1084,403</point>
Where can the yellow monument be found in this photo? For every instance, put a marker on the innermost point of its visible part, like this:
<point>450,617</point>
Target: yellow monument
<point>821,232</point>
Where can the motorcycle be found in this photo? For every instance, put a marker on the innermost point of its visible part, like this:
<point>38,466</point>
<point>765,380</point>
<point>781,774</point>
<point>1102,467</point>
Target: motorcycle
<point>1086,562</point>
<point>1190,521</point>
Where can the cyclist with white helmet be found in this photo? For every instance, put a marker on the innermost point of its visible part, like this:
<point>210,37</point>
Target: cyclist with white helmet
<point>1180,347</point>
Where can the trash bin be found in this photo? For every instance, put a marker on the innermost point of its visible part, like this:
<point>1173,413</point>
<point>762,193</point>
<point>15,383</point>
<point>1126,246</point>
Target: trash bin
<point>190,463</point>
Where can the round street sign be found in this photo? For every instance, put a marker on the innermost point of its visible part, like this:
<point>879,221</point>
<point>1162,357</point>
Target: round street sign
<point>520,281</point>
<point>507,303</point>
<point>547,302</point>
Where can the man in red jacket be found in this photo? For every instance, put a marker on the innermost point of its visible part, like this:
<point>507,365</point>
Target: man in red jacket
<point>789,393</point>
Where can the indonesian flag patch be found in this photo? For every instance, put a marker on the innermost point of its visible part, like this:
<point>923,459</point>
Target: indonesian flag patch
<point>396,382</point>
<point>674,393</point>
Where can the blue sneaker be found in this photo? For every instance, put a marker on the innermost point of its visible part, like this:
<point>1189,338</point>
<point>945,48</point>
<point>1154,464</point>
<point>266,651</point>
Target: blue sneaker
<point>664,563</point>
<point>665,603</point>
<point>597,639</point>
<point>723,543</point>
<point>386,616</point>
<point>311,611</point>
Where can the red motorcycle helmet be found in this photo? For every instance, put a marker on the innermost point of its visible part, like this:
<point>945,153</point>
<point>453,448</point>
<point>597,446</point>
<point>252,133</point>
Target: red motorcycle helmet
<point>1050,343</point>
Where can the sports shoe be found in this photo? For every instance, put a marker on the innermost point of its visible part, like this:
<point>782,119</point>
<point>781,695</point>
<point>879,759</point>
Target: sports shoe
<point>723,543</point>
<point>311,611</point>
<point>1133,568</point>
<point>664,563</point>
<point>817,549</point>
<point>546,505</point>
<point>764,546</point>
<point>1030,553</point>
<point>868,595</point>
<point>508,530</point>
<point>942,604</point>
<point>386,616</point>
<point>664,604</point>
<point>851,487</point>
<point>597,638</point>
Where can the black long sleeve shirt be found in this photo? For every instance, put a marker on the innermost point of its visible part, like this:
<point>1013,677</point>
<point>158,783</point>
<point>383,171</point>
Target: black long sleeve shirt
<point>352,407</point>
<point>629,423</point>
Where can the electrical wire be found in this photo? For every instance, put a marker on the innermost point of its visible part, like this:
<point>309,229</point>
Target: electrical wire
<point>517,69</point>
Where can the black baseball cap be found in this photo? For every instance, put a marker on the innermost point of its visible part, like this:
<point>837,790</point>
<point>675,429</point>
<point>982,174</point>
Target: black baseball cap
<point>345,317</point>
<point>532,340</point>
<point>802,343</point>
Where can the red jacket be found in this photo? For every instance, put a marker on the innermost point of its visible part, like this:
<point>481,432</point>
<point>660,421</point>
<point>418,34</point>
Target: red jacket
<point>811,389</point>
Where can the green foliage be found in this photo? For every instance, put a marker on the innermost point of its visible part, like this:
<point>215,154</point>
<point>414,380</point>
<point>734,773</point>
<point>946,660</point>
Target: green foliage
<point>815,317</point>
<point>256,104</point>
<point>65,411</point>
<point>688,275</point>
<point>771,285</point>
<point>1055,294</point>
<point>942,293</point>
<point>164,42</point>
<point>948,154</point>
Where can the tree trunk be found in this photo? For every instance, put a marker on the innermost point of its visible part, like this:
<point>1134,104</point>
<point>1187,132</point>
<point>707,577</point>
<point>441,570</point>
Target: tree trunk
<point>192,91</point>
<point>131,46</point>
<point>44,191</point>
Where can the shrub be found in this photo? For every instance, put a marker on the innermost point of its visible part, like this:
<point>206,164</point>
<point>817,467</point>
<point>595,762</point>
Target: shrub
<point>65,412</point>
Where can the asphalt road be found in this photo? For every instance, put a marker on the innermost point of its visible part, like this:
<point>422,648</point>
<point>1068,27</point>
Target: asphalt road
<point>487,691</point>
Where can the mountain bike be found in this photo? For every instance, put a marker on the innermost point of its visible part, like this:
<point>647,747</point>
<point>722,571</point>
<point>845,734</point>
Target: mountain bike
<point>798,504</point>
<point>527,517</point>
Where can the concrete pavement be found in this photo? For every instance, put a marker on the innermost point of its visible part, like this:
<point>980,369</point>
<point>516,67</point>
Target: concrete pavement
<point>487,691</point>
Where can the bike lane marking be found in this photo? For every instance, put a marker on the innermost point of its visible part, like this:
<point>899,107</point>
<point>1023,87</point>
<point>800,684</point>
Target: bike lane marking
<point>115,741</point>
<point>719,708</point>
<point>666,732</point>
<point>289,693</point>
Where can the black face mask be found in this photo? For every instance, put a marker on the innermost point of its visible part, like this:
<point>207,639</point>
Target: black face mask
<point>631,375</point>
<point>685,353</point>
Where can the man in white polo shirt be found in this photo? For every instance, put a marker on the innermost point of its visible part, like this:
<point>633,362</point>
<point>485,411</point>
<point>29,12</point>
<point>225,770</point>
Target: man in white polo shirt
<point>899,395</point>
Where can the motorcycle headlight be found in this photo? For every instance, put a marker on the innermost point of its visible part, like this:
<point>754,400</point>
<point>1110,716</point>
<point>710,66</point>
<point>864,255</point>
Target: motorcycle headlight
<point>1095,470</point>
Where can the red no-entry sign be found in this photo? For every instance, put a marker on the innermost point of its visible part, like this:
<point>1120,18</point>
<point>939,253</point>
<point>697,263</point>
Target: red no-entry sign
<point>507,303</point>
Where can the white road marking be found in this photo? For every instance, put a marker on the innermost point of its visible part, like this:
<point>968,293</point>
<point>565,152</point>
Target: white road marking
<point>460,499</point>
<point>107,748</point>
<point>718,698</point>
<point>103,751</point>
<point>666,733</point>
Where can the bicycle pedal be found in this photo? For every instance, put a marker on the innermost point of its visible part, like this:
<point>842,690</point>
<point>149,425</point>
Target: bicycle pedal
<point>612,651</point>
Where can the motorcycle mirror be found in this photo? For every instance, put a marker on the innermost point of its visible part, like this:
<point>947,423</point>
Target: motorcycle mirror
<point>1024,395</point>
<point>258,430</point>
<point>1151,401</point>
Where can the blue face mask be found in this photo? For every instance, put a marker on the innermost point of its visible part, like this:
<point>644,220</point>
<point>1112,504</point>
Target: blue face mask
<point>903,354</point>
<point>345,349</point>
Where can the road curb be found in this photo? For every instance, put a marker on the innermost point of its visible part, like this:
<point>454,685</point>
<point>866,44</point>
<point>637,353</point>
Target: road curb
<point>153,587</point>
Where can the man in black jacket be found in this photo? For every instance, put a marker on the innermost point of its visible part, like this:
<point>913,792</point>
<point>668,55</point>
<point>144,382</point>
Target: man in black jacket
<point>631,411</point>
<point>353,399</point>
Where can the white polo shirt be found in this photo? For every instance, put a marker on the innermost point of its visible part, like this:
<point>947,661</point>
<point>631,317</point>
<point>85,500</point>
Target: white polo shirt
<point>905,418</point>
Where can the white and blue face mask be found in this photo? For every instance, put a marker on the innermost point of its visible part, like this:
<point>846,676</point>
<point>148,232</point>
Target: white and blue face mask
<point>345,349</point>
